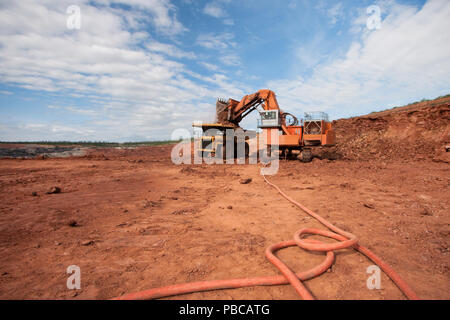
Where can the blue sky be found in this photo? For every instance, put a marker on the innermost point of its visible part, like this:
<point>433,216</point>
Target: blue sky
<point>139,69</point>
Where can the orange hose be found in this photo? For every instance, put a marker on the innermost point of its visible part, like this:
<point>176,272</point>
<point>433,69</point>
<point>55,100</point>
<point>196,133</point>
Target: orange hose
<point>191,287</point>
<point>346,240</point>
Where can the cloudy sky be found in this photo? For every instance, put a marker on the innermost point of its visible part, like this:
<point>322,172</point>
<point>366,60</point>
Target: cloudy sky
<point>138,69</point>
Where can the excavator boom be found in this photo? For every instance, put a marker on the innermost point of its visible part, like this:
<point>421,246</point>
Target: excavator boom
<point>234,111</point>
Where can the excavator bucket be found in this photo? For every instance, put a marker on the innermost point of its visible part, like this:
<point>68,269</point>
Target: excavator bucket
<point>221,111</point>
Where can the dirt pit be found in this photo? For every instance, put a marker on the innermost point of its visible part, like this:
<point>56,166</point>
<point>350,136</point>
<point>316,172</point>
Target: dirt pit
<point>132,220</point>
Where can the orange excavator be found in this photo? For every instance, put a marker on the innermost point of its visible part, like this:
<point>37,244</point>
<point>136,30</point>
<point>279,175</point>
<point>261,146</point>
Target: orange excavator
<point>293,134</point>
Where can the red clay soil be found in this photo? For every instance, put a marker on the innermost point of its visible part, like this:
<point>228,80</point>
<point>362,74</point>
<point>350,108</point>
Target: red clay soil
<point>132,220</point>
<point>414,132</point>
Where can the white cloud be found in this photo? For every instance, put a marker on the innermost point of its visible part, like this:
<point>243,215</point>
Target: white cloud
<point>224,43</point>
<point>216,41</point>
<point>407,59</point>
<point>135,83</point>
<point>311,53</point>
<point>44,131</point>
<point>335,13</point>
<point>209,66</point>
<point>54,107</point>
<point>230,59</point>
<point>228,22</point>
<point>169,50</point>
<point>162,12</point>
<point>75,110</point>
<point>215,9</point>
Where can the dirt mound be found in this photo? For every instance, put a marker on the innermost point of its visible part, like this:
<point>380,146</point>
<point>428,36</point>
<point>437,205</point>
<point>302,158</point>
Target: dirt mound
<point>420,131</point>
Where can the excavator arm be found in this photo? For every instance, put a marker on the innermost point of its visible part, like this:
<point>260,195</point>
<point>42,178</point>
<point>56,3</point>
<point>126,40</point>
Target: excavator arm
<point>234,111</point>
<point>265,98</point>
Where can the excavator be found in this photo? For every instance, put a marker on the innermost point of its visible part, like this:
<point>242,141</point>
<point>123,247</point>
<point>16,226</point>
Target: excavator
<point>294,135</point>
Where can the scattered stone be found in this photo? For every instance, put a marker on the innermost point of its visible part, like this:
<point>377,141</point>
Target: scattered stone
<point>230,207</point>
<point>149,203</point>
<point>159,243</point>
<point>87,243</point>
<point>57,243</point>
<point>34,194</point>
<point>54,190</point>
<point>369,205</point>
<point>73,223</point>
<point>245,181</point>
<point>425,212</point>
<point>183,212</point>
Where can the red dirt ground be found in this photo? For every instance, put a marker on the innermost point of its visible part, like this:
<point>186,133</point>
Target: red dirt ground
<point>143,222</point>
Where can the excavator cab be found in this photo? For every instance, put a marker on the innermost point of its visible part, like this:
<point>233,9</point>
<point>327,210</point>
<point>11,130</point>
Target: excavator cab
<point>269,119</point>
